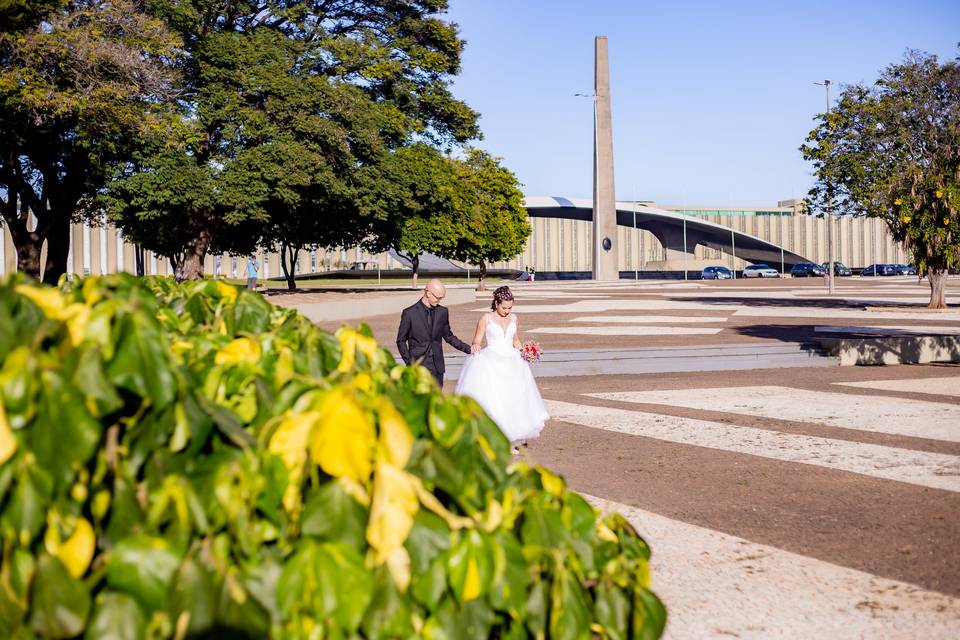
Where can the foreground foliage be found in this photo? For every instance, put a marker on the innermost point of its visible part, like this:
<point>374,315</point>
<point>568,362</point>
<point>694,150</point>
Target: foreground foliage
<point>189,461</point>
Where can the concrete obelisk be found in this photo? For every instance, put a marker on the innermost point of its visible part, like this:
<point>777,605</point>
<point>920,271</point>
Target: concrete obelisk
<point>604,198</point>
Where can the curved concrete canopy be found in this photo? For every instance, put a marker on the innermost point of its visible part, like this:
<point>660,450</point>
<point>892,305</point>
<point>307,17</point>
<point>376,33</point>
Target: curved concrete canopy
<point>667,227</point>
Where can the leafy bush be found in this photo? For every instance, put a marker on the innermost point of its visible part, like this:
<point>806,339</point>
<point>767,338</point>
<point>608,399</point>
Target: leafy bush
<point>190,461</point>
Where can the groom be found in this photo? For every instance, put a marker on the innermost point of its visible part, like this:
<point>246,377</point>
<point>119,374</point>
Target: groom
<point>422,326</point>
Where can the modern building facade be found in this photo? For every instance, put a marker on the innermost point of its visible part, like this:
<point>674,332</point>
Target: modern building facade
<point>559,243</point>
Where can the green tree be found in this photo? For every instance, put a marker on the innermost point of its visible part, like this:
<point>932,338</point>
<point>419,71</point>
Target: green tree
<point>496,220</point>
<point>416,202</point>
<point>337,83</point>
<point>892,151</point>
<point>81,85</point>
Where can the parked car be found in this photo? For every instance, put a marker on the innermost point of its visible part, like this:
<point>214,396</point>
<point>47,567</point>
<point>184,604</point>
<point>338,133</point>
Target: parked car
<point>905,269</point>
<point>716,273</point>
<point>839,269</point>
<point>806,270</point>
<point>760,271</point>
<point>879,270</point>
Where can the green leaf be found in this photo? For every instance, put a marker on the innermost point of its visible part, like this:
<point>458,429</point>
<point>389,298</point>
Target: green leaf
<point>90,379</point>
<point>141,363</point>
<point>649,615</point>
<point>193,591</point>
<point>470,566</point>
<point>569,614</point>
<point>612,609</point>
<point>444,420</point>
<point>59,603</point>
<point>331,514</point>
<point>116,616</point>
<point>64,435</point>
<point>429,537</point>
<point>388,615</point>
<point>542,525</point>
<point>25,514</point>
<point>143,566</point>
<point>509,593</point>
<point>449,621</point>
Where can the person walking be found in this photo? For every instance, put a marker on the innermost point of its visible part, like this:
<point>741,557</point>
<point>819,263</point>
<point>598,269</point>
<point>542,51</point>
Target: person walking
<point>422,327</point>
<point>253,267</point>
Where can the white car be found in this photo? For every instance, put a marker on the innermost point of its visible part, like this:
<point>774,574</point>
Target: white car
<point>760,271</point>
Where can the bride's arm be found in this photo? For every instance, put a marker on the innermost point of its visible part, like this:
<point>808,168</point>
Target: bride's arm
<point>516,334</point>
<point>478,334</point>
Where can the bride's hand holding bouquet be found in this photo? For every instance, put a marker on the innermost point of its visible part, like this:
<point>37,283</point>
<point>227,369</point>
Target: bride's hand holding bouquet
<point>531,351</point>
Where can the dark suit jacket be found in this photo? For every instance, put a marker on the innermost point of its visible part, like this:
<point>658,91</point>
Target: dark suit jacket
<point>416,340</point>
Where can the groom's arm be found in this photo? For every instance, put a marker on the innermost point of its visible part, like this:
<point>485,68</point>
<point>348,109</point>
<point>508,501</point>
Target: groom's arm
<point>403,334</point>
<point>453,340</point>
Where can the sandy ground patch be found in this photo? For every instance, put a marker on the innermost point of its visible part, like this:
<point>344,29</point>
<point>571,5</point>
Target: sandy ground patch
<point>720,586</point>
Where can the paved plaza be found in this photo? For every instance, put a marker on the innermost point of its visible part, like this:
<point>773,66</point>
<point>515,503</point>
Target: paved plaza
<point>784,496</point>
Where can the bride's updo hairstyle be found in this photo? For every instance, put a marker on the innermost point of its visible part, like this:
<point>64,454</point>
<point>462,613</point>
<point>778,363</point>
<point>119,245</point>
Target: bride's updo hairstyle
<point>501,295</point>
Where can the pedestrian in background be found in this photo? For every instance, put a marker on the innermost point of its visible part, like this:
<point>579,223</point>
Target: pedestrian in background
<point>253,267</point>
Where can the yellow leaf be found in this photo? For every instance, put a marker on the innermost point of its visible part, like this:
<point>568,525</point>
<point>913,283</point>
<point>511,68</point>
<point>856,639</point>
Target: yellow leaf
<point>471,585</point>
<point>91,291</point>
<point>8,441</point>
<point>77,551</point>
<point>284,370</point>
<point>606,533</point>
<point>289,442</point>
<point>485,447</point>
<point>76,317</point>
<point>228,292</point>
<point>362,382</point>
<point>396,441</point>
<point>552,483</point>
<point>49,300</point>
<point>391,511</point>
<point>348,348</point>
<point>343,442</point>
<point>368,347</point>
<point>355,490</point>
<point>398,563</point>
<point>430,501</point>
<point>239,351</point>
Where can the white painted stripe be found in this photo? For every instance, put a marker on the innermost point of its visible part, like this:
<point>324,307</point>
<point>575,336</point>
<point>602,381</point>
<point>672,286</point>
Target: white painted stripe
<point>933,386</point>
<point>717,585</point>
<point>935,470</point>
<point>626,331</point>
<point>915,418</point>
<point>595,306</point>
<point>649,319</point>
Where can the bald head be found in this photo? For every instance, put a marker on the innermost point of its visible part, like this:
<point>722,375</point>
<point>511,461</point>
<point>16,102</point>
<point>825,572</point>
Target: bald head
<point>434,292</point>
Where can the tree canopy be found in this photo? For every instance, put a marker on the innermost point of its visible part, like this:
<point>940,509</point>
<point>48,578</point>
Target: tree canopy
<point>496,220</point>
<point>892,151</point>
<point>286,103</point>
<point>82,84</point>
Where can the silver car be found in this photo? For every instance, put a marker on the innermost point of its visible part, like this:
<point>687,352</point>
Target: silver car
<point>760,271</point>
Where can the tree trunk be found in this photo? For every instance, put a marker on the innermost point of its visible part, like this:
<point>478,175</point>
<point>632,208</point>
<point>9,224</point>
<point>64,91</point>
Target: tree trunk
<point>481,284</point>
<point>415,263</point>
<point>139,258</point>
<point>195,251</point>
<point>58,249</point>
<point>938,289</point>
<point>289,272</point>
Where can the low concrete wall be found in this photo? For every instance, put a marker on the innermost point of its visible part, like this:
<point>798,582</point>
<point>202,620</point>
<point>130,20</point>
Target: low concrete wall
<point>893,349</point>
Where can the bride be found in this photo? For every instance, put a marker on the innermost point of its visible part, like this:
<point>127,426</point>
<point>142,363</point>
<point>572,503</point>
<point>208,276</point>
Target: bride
<point>497,376</point>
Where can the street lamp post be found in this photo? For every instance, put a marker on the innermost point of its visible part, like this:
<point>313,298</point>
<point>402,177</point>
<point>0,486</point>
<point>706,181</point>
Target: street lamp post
<point>829,217</point>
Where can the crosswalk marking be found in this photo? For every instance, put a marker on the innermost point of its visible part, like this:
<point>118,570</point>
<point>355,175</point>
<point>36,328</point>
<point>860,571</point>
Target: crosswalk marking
<point>915,418</point>
<point>934,386</point>
<point>720,586</point>
<point>648,319</point>
<point>935,470</point>
<point>628,331</point>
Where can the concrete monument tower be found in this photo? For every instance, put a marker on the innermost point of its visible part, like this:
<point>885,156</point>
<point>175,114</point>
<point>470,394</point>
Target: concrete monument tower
<point>604,198</point>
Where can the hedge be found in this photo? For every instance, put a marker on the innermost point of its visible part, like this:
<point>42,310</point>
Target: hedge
<point>188,461</point>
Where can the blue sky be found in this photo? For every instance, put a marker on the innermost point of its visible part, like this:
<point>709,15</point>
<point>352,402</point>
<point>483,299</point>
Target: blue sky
<point>710,99</point>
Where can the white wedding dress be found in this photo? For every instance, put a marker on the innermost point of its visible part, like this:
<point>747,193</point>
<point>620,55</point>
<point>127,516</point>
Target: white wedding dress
<point>500,380</point>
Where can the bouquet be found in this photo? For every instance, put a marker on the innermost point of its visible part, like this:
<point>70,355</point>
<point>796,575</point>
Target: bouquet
<point>531,351</point>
